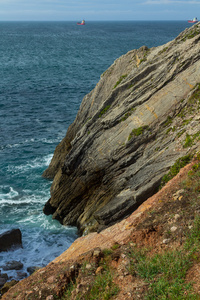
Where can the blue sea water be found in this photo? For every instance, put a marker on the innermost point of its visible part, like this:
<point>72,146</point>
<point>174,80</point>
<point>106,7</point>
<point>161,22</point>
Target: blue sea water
<point>46,68</point>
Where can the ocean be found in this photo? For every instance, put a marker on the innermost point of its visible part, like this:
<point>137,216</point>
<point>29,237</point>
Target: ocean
<point>46,68</point>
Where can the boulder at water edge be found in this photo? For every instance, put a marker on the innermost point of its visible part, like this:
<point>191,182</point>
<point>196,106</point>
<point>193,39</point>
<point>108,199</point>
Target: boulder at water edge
<point>12,265</point>
<point>9,239</point>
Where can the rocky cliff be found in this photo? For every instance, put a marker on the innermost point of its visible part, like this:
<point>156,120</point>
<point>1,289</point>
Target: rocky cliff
<point>140,118</point>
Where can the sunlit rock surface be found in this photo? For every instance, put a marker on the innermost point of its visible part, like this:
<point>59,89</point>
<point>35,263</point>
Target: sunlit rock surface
<point>141,117</point>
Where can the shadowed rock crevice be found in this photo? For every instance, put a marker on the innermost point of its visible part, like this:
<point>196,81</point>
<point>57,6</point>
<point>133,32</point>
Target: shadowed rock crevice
<point>127,133</point>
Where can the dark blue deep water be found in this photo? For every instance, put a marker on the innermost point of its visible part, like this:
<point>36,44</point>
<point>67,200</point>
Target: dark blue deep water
<point>46,68</point>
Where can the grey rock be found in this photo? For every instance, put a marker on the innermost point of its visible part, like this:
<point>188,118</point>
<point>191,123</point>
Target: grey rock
<point>173,228</point>
<point>166,241</point>
<point>32,269</point>
<point>4,275</point>
<point>12,265</point>
<point>128,132</point>
<point>2,281</point>
<point>88,266</point>
<point>51,297</point>
<point>21,275</point>
<point>177,216</point>
<point>10,239</point>
<point>97,252</point>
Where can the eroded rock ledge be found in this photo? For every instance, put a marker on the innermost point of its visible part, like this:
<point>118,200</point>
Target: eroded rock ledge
<point>140,118</point>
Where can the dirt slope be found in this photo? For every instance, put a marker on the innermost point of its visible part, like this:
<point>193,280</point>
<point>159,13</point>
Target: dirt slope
<point>160,224</point>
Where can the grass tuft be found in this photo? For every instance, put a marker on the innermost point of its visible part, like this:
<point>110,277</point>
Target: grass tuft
<point>120,80</point>
<point>104,111</point>
<point>137,131</point>
<point>103,287</point>
<point>165,273</point>
<point>180,163</point>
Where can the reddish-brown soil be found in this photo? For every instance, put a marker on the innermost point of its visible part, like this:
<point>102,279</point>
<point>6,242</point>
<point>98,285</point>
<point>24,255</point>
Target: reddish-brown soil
<point>160,223</point>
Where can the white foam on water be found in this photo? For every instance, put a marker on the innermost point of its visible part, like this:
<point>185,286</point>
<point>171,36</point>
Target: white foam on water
<point>39,162</point>
<point>39,247</point>
<point>22,207</point>
<point>50,141</point>
<point>47,159</point>
<point>31,141</point>
<point>9,196</point>
<point>23,200</point>
<point>43,239</point>
<point>7,193</point>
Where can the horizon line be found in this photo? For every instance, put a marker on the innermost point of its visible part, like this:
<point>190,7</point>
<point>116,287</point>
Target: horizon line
<point>146,20</point>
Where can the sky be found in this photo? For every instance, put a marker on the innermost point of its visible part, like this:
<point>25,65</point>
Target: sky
<point>96,10</point>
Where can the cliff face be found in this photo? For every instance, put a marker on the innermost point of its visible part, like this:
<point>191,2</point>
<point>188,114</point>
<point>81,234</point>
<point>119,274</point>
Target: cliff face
<point>141,117</point>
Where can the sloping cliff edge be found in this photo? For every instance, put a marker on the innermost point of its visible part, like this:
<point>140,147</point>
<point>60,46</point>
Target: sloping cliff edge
<point>139,119</point>
<point>105,265</point>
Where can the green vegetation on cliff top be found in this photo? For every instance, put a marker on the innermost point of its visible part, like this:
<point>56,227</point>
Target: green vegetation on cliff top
<point>164,274</point>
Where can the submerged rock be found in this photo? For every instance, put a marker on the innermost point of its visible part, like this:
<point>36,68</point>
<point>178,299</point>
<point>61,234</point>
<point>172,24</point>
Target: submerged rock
<point>21,275</point>
<point>3,279</point>
<point>12,265</point>
<point>32,269</point>
<point>10,239</point>
<point>141,117</point>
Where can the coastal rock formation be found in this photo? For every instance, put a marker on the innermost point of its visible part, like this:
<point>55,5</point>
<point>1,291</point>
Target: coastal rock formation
<point>9,239</point>
<point>12,265</point>
<point>3,279</point>
<point>140,118</point>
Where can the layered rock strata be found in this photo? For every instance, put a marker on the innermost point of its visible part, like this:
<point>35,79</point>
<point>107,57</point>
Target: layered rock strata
<point>140,118</point>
